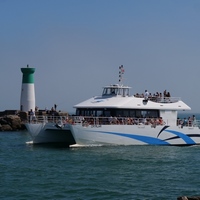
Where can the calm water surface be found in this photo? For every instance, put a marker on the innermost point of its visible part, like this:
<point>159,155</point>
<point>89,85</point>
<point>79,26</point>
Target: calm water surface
<point>114,172</point>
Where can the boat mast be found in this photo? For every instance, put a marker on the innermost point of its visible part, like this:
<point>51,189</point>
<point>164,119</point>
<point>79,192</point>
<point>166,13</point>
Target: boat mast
<point>121,72</point>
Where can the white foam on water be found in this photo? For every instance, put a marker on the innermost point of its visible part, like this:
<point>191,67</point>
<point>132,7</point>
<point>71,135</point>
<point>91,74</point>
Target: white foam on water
<point>30,142</point>
<point>82,145</point>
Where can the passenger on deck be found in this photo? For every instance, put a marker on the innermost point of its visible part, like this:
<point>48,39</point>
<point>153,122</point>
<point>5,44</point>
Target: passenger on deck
<point>146,95</point>
<point>194,120</point>
<point>32,115</point>
<point>184,122</point>
<point>189,121</point>
<point>160,96</point>
<point>161,121</point>
<point>193,117</point>
<point>110,119</point>
<point>165,93</point>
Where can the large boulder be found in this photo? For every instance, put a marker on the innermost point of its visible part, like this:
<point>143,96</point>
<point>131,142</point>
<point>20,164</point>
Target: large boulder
<point>10,122</point>
<point>23,115</point>
<point>5,127</point>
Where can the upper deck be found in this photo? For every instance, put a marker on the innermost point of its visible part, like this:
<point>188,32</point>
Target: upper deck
<point>124,91</point>
<point>117,96</point>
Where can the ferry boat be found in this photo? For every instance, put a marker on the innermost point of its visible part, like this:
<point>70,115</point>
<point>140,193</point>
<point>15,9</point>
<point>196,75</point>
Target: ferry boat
<point>118,118</point>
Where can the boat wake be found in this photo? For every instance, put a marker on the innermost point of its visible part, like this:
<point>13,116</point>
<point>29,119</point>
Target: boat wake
<point>29,142</point>
<point>88,145</point>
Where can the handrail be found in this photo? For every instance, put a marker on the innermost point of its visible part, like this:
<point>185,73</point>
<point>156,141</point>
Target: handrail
<point>46,119</point>
<point>164,99</point>
<point>158,99</point>
<point>98,121</point>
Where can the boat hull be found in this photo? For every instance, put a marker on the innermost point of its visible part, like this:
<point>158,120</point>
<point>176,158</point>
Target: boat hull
<point>42,133</point>
<point>135,135</point>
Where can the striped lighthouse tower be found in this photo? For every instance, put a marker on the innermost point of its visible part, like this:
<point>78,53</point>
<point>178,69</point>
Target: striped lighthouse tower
<point>27,101</point>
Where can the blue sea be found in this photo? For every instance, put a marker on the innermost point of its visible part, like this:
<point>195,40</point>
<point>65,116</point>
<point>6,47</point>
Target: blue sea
<point>92,173</point>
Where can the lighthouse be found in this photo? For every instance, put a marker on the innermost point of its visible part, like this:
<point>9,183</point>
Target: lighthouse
<point>27,101</point>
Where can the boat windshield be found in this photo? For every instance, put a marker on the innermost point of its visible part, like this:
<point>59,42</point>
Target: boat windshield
<point>116,90</point>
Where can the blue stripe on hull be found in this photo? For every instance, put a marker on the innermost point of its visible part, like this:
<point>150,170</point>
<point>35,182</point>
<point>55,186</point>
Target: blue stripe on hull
<point>186,138</point>
<point>152,140</point>
<point>145,139</point>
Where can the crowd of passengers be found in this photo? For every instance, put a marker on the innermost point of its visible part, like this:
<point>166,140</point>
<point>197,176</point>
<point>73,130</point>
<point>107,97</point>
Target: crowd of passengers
<point>122,120</point>
<point>158,96</point>
<point>136,121</point>
<point>190,121</point>
<point>153,121</point>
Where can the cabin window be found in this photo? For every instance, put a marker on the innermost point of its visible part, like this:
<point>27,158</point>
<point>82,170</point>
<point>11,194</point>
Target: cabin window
<point>99,113</point>
<point>107,113</point>
<point>118,112</point>
<point>105,91</point>
<point>138,113</point>
<point>131,113</point>
<point>124,92</point>
<point>111,91</point>
<point>146,113</point>
<point>114,91</point>
<point>126,113</point>
<point>80,112</point>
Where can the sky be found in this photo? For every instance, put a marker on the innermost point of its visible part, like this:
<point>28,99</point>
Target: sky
<point>77,46</point>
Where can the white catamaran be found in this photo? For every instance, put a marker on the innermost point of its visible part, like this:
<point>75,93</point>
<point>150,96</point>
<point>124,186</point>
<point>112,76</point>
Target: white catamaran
<point>118,118</point>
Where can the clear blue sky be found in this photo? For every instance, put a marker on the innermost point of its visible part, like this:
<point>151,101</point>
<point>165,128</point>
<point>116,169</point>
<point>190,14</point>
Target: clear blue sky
<point>77,46</point>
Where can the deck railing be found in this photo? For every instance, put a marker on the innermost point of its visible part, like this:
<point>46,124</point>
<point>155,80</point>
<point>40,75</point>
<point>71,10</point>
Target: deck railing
<point>98,121</point>
<point>159,99</point>
<point>164,99</point>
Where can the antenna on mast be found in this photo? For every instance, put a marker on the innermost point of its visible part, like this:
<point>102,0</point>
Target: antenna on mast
<point>121,72</point>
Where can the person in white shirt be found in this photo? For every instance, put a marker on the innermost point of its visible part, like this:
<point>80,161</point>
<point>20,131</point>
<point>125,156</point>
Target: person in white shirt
<point>146,95</point>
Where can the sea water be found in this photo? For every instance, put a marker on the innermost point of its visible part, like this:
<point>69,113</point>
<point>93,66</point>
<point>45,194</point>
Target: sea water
<point>96,172</point>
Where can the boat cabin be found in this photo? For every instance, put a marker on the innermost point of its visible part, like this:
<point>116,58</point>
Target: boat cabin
<point>116,101</point>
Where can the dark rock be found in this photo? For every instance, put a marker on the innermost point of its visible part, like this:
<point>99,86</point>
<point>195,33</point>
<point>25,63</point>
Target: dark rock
<point>23,116</point>
<point>10,123</point>
<point>188,198</point>
<point>3,121</point>
<point>5,127</point>
<point>14,121</point>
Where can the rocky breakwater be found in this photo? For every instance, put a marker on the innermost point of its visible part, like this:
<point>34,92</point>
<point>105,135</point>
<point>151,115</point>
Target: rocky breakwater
<point>11,122</point>
<point>14,120</point>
